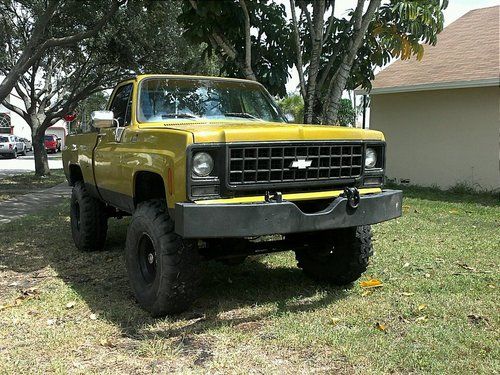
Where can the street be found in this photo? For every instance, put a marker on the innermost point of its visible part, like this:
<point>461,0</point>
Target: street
<point>25,164</point>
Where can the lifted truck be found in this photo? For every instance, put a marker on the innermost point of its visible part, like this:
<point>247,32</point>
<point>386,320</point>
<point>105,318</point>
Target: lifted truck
<point>209,168</point>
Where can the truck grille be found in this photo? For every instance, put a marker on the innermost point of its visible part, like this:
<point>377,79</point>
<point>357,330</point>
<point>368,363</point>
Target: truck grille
<point>251,165</point>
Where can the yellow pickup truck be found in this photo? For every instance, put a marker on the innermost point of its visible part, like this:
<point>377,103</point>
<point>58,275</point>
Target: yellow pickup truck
<point>209,167</point>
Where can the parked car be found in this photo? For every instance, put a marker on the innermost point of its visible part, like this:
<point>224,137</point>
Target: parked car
<point>207,165</point>
<point>11,146</point>
<point>27,143</point>
<point>52,143</point>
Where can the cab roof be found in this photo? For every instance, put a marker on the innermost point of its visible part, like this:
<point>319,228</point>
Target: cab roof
<point>140,77</point>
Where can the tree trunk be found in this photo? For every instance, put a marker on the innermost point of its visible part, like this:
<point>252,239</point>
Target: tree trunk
<point>337,84</point>
<point>41,161</point>
<point>316,27</point>
<point>335,93</point>
<point>299,63</point>
<point>37,122</point>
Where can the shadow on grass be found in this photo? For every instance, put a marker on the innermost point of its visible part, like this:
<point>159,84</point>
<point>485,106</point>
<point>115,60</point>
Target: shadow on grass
<point>101,281</point>
<point>489,199</point>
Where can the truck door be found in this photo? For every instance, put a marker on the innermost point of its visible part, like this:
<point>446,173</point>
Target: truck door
<point>108,152</point>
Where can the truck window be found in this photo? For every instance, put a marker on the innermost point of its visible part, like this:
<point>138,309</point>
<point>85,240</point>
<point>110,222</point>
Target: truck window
<point>161,99</point>
<point>121,105</point>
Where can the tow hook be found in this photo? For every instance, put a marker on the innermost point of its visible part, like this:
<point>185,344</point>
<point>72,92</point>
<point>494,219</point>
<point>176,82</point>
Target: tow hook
<point>276,197</point>
<point>352,195</point>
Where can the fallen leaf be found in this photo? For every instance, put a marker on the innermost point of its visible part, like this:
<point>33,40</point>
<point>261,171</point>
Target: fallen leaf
<point>26,294</point>
<point>372,283</point>
<point>477,319</point>
<point>31,292</point>
<point>427,275</point>
<point>453,212</point>
<point>51,322</point>
<point>407,294</point>
<point>366,292</point>
<point>402,319</point>
<point>380,327</point>
<point>93,317</point>
<point>334,321</point>
<point>107,343</point>
<point>491,286</point>
<point>406,265</point>
<point>421,319</point>
<point>229,280</point>
<point>421,307</point>
<point>70,305</point>
<point>467,267</point>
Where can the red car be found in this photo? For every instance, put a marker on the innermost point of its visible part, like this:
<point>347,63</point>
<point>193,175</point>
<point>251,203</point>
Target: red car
<point>52,143</point>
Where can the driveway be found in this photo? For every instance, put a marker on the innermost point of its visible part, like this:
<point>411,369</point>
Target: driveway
<point>25,164</point>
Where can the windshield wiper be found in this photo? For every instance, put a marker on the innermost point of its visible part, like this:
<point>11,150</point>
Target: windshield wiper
<point>241,114</point>
<point>179,115</point>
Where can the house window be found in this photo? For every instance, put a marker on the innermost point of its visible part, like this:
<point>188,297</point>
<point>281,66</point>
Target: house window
<point>5,123</point>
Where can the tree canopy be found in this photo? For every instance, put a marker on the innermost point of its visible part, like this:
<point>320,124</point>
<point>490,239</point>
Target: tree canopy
<point>251,38</point>
<point>141,37</point>
<point>257,40</point>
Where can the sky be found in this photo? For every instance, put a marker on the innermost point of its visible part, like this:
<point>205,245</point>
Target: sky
<point>456,9</point>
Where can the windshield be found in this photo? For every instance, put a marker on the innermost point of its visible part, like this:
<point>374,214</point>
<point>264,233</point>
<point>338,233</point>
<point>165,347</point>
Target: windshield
<point>49,138</point>
<point>4,139</point>
<point>163,99</point>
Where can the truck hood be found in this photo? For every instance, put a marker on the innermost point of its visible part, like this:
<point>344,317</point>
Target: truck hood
<point>251,131</point>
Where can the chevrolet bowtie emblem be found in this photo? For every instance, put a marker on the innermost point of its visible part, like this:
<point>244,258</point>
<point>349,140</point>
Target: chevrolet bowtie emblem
<point>301,164</point>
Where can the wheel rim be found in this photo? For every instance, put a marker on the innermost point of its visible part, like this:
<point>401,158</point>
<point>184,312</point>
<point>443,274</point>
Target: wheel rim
<point>147,258</point>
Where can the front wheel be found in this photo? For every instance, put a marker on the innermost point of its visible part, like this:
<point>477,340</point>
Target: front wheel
<point>339,256</point>
<point>164,269</point>
<point>89,220</point>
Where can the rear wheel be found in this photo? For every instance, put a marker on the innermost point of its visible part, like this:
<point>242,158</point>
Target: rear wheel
<point>89,220</point>
<point>164,269</point>
<point>339,256</point>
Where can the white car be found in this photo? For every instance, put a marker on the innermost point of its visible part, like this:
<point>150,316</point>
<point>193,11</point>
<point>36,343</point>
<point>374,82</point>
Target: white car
<point>11,145</point>
<point>27,144</point>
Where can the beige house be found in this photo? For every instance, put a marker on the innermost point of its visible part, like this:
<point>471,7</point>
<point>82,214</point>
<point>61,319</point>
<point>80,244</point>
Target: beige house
<point>441,115</point>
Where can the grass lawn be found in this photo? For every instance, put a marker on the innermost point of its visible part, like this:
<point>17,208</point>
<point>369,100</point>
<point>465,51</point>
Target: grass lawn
<point>437,311</point>
<point>27,183</point>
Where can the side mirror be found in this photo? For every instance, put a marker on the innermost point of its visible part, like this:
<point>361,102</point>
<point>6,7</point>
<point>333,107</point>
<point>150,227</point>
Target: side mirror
<point>102,119</point>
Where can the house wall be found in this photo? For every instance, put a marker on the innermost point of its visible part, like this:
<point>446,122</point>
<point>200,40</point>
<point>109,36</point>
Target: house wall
<point>21,128</point>
<point>441,137</point>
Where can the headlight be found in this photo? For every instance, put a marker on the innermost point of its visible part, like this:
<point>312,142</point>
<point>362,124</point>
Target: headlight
<point>370,158</point>
<point>203,164</point>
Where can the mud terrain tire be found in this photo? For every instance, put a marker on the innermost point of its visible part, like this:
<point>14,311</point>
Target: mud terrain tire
<point>339,256</point>
<point>89,221</point>
<point>164,269</point>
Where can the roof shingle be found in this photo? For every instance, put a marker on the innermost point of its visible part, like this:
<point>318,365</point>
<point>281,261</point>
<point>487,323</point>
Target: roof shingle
<point>466,54</point>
